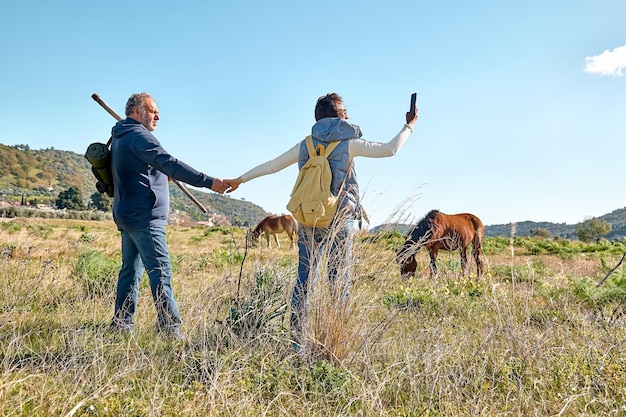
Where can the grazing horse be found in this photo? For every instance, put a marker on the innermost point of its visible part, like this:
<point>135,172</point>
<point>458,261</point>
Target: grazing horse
<point>443,231</point>
<point>274,225</point>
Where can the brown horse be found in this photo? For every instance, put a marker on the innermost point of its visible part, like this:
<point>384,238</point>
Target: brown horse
<point>274,225</point>
<point>443,231</point>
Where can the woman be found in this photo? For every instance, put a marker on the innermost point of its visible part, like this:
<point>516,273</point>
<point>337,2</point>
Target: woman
<point>331,125</point>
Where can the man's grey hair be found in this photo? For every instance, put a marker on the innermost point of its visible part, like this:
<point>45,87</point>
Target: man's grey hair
<point>136,100</point>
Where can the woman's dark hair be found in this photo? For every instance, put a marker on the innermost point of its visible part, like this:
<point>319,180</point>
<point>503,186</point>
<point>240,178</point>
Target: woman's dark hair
<point>327,106</point>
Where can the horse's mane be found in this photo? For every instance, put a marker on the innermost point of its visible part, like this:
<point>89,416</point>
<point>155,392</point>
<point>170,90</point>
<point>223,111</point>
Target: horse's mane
<point>424,226</point>
<point>259,226</point>
<point>431,214</point>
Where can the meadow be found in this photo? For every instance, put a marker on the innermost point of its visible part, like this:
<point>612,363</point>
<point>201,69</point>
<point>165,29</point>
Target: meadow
<point>535,336</point>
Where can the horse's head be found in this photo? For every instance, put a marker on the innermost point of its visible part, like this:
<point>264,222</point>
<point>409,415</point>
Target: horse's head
<point>408,269</point>
<point>405,258</point>
<point>419,236</point>
<point>255,234</point>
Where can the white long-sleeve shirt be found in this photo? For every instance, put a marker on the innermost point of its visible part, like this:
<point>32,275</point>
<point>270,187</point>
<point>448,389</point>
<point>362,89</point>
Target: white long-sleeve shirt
<point>356,147</point>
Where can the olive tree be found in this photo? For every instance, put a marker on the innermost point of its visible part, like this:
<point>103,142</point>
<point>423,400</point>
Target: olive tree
<point>101,201</point>
<point>592,230</point>
<point>540,233</point>
<point>71,199</point>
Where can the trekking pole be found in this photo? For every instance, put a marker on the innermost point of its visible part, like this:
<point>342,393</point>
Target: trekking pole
<point>117,117</point>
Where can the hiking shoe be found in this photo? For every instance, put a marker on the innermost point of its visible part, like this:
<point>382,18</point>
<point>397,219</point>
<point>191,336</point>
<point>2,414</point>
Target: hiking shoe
<point>116,333</point>
<point>119,329</point>
<point>173,333</point>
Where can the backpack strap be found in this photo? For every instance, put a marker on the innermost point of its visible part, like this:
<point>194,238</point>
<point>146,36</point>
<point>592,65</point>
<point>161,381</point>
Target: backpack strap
<point>326,151</point>
<point>320,149</point>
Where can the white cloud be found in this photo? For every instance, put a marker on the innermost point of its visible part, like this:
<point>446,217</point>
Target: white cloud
<point>608,62</point>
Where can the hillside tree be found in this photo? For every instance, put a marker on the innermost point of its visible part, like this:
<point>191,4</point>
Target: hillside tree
<point>592,230</point>
<point>540,232</point>
<point>101,201</point>
<point>71,199</point>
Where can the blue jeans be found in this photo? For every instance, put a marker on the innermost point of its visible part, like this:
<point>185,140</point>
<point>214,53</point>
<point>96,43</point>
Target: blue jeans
<point>333,242</point>
<point>145,248</point>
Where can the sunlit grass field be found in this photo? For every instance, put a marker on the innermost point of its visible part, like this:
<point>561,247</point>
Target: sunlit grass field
<point>536,336</point>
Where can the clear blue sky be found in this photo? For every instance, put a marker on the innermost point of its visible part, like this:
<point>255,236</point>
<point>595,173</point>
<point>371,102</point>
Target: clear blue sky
<point>522,104</point>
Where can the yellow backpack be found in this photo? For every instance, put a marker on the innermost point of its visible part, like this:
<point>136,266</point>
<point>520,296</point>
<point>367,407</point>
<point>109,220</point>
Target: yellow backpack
<point>312,203</point>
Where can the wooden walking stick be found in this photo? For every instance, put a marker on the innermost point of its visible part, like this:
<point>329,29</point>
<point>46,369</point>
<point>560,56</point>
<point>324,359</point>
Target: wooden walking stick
<point>117,117</point>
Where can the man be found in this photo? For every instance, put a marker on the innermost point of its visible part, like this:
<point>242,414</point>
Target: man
<point>141,168</point>
<point>331,125</point>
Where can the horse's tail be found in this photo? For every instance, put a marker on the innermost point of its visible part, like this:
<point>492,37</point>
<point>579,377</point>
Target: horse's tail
<point>290,225</point>
<point>477,244</point>
<point>479,232</point>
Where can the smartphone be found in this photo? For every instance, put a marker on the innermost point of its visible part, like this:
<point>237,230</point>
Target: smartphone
<point>413,102</point>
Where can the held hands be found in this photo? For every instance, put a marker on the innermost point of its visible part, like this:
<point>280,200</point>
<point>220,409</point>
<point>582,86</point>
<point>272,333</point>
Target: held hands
<point>228,186</point>
<point>219,186</point>
<point>233,184</point>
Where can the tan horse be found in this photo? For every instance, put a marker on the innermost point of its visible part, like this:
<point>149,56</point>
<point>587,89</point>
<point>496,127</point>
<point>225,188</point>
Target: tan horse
<point>274,225</point>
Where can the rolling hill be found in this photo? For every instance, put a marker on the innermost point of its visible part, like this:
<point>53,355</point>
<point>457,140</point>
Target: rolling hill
<point>39,175</point>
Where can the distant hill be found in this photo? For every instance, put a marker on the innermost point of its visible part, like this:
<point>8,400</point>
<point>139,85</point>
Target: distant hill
<point>38,176</point>
<point>525,228</point>
<point>616,218</point>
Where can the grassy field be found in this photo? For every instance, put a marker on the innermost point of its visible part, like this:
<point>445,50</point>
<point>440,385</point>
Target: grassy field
<point>536,336</point>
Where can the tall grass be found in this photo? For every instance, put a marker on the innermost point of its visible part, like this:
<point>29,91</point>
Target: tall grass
<point>535,337</point>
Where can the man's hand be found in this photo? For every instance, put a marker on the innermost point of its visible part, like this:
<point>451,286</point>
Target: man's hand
<point>219,186</point>
<point>233,184</point>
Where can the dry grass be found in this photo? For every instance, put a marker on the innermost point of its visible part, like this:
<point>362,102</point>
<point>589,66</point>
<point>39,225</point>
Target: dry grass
<point>533,338</point>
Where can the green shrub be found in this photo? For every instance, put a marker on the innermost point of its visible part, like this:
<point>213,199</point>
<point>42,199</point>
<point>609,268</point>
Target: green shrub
<point>496,245</point>
<point>390,239</point>
<point>408,297</point>
<point>224,257</point>
<point>7,250</point>
<point>96,273</point>
<point>262,308</point>
<point>469,287</point>
<point>516,273</point>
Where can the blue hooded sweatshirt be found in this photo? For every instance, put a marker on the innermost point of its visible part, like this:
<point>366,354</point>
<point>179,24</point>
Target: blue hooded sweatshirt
<point>141,168</point>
